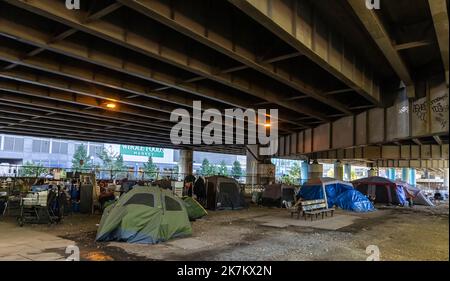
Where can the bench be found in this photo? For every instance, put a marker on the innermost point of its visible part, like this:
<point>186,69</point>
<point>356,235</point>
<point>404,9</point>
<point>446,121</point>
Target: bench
<point>296,209</point>
<point>317,212</point>
<point>311,208</point>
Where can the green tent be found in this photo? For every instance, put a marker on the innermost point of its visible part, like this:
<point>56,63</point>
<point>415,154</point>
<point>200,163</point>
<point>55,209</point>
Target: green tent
<point>146,214</point>
<point>194,209</point>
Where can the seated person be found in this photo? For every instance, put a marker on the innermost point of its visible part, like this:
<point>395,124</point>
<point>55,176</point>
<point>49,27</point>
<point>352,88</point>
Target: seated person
<point>105,195</point>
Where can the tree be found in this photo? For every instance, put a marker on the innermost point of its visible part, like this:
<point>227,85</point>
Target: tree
<point>294,175</point>
<point>107,159</point>
<point>295,171</point>
<point>118,163</point>
<point>222,169</point>
<point>236,170</point>
<point>150,168</point>
<point>79,156</point>
<point>30,169</point>
<point>213,170</point>
<point>119,167</point>
<point>205,168</point>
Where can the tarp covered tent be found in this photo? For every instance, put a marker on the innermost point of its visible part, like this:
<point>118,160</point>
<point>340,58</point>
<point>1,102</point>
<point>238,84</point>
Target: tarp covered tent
<point>336,193</point>
<point>223,193</point>
<point>194,208</point>
<point>384,190</point>
<point>146,214</point>
<point>275,194</point>
<point>419,198</point>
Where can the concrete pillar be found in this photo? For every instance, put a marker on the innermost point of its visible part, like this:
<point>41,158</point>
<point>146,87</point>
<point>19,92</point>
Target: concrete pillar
<point>186,162</point>
<point>259,168</point>
<point>347,172</point>
<point>390,173</point>
<point>405,175</point>
<point>338,170</point>
<point>315,170</point>
<point>412,176</point>
<point>251,169</point>
<point>304,172</point>
<point>446,178</point>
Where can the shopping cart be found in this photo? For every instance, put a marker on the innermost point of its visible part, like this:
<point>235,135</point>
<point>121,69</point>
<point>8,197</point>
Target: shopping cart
<point>36,207</point>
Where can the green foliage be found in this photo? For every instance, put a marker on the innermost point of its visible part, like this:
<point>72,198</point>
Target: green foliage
<point>107,159</point>
<point>30,169</point>
<point>208,169</point>
<point>293,176</point>
<point>205,167</point>
<point>236,169</point>
<point>150,168</point>
<point>295,171</point>
<point>81,154</point>
<point>222,169</point>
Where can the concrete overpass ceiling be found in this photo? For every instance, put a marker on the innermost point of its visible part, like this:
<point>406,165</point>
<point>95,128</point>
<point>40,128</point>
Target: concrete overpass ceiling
<point>340,15</point>
<point>152,57</point>
<point>412,31</point>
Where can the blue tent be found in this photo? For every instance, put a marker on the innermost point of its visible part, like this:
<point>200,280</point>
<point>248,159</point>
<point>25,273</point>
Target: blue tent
<point>337,193</point>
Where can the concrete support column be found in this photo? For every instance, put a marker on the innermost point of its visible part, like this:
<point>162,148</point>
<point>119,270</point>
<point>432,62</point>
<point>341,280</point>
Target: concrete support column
<point>405,175</point>
<point>412,176</point>
<point>390,173</point>
<point>446,178</point>
<point>347,172</point>
<point>304,172</point>
<point>315,170</point>
<point>259,169</point>
<point>393,174</point>
<point>338,170</point>
<point>186,162</point>
<point>252,165</point>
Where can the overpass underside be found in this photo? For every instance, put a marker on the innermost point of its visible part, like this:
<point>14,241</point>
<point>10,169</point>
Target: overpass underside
<point>349,82</point>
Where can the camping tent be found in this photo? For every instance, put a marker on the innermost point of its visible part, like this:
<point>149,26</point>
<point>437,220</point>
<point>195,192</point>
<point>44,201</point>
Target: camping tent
<point>146,214</point>
<point>223,193</point>
<point>336,193</point>
<point>275,194</point>
<point>384,190</point>
<point>194,209</point>
<point>419,198</point>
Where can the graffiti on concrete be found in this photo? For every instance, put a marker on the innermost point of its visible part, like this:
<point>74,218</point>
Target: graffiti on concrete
<point>420,110</point>
<point>439,108</point>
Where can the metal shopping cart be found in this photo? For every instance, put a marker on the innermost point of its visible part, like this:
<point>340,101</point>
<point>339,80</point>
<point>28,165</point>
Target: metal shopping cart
<point>36,207</point>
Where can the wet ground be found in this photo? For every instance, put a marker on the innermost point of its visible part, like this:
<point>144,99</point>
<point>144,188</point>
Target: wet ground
<point>255,234</point>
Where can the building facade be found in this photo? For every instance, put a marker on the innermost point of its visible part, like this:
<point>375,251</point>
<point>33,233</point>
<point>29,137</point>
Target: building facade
<point>58,153</point>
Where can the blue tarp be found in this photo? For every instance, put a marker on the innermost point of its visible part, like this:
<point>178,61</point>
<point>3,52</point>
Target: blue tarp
<point>338,194</point>
<point>353,200</point>
<point>401,195</point>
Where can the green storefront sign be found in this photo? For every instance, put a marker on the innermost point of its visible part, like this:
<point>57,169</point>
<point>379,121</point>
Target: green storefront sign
<point>141,151</point>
